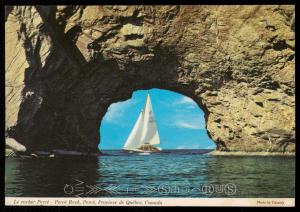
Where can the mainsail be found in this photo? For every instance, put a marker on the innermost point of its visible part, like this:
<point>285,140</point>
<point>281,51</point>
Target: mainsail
<point>144,130</point>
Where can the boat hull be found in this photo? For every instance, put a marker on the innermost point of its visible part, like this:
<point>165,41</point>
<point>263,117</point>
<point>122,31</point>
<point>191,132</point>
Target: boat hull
<point>144,149</point>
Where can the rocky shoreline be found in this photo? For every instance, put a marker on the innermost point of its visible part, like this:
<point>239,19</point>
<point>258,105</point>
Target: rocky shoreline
<point>52,154</point>
<point>239,153</point>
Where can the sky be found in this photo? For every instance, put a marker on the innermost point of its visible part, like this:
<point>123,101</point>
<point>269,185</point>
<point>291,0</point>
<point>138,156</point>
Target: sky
<point>180,121</point>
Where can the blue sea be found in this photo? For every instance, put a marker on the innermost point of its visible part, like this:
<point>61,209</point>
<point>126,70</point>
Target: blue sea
<point>170,173</point>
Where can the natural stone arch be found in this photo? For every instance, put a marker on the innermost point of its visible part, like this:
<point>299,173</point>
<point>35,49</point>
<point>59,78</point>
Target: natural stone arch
<point>65,65</point>
<point>177,93</point>
<point>184,92</point>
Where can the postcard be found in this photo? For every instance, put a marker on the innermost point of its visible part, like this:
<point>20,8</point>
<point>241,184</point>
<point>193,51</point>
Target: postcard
<point>150,105</point>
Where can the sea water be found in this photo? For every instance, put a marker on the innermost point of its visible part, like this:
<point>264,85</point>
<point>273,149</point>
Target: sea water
<point>170,173</point>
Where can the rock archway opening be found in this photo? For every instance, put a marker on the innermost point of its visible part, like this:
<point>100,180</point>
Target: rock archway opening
<point>180,121</point>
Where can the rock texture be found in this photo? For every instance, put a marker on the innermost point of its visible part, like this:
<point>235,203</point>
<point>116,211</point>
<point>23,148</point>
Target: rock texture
<point>66,64</point>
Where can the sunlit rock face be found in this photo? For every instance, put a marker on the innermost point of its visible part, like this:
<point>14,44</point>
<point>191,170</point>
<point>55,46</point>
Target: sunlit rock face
<point>65,65</point>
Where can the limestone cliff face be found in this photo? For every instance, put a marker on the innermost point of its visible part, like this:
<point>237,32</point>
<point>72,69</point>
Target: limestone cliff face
<point>65,65</point>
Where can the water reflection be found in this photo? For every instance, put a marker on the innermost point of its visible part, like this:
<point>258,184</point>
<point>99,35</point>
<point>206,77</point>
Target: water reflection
<point>175,174</point>
<point>266,176</point>
<point>47,176</point>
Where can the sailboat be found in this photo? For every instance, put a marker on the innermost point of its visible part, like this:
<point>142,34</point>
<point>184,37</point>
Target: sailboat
<point>144,135</point>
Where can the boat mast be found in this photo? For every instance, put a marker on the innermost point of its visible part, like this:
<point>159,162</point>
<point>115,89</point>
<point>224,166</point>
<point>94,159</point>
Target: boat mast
<point>145,102</point>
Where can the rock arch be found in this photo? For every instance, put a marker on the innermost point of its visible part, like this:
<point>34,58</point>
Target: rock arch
<point>177,95</point>
<point>66,64</point>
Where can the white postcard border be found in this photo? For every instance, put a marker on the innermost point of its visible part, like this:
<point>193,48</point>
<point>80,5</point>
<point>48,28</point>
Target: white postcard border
<point>60,201</point>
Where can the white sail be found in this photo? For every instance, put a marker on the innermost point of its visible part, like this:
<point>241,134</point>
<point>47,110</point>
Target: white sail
<point>133,141</point>
<point>144,130</point>
<point>149,133</point>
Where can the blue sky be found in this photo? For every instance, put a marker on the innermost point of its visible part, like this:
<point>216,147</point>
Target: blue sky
<point>180,121</point>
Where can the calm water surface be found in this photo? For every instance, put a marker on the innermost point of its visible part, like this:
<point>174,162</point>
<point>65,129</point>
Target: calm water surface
<point>174,173</point>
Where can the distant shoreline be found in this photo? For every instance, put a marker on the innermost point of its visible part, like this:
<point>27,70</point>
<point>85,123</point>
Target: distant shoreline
<point>239,153</point>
